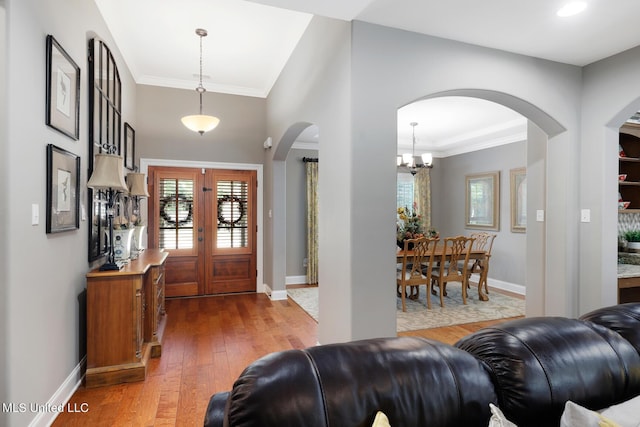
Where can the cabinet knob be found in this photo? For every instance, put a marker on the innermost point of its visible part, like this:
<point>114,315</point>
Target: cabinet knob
<point>199,229</point>
<point>199,239</point>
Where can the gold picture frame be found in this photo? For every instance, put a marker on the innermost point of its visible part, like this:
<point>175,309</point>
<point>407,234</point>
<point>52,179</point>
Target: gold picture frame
<point>482,201</point>
<point>518,181</point>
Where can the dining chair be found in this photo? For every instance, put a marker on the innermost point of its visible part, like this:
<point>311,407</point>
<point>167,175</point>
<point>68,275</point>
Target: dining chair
<point>483,242</point>
<point>413,260</point>
<point>453,265</point>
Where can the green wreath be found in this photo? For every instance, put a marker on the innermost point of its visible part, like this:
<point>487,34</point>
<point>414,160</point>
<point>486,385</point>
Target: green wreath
<point>181,200</point>
<point>222,220</point>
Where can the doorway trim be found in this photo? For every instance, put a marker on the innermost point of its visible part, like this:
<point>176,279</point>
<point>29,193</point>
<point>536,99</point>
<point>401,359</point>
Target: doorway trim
<point>144,168</point>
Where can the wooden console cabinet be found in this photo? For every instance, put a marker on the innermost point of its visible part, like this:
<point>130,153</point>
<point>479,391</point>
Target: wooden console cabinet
<point>125,320</point>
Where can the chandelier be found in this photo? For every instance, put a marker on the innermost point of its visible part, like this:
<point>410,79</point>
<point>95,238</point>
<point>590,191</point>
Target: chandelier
<point>200,123</point>
<point>412,163</point>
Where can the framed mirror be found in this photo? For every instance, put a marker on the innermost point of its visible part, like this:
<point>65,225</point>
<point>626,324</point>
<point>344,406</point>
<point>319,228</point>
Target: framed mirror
<point>482,202</point>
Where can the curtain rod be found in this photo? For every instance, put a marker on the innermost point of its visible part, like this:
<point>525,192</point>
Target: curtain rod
<point>310,159</point>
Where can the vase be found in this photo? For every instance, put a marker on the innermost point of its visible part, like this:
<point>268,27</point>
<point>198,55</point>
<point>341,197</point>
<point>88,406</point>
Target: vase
<point>122,243</point>
<point>138,233</point>
<point>401,245</point>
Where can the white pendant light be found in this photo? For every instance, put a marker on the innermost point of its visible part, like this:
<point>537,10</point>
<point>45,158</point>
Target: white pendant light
<point>200,123</point>
<point>408,160</point>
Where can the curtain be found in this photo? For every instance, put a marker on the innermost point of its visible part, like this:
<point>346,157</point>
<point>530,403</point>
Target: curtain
<point>422,196</point>
<point>312,221</point>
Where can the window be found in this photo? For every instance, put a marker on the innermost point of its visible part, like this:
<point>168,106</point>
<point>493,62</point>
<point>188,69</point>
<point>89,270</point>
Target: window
<point>232,199</point>
<point>176,213</point>
<point>404,190</point>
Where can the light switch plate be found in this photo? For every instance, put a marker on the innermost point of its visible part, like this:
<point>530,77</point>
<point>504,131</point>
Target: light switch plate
<point>540,215</point>
<point>585,215</point>
<point>35,214</point>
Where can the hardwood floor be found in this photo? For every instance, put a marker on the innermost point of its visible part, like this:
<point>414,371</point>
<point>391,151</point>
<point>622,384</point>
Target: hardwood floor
<point>207,343</point>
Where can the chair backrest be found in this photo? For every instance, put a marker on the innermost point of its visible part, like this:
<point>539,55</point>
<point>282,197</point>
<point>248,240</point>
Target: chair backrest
<point>458,248</point>
<point>483,241</point>
<point>417,252</point>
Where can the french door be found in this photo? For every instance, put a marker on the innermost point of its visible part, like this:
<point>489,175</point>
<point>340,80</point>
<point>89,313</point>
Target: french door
<point>206,220</point>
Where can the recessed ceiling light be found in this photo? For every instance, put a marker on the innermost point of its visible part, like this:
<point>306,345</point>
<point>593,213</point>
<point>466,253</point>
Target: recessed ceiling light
<point>572,8</point>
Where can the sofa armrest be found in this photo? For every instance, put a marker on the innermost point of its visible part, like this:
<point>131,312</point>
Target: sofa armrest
<point>214,417</point>
<point>538,364</point>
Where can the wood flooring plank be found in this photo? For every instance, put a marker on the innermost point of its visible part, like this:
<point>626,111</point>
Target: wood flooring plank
<point>208,342</point>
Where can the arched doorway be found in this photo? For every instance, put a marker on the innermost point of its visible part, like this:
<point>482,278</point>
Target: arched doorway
<point>541,130</point>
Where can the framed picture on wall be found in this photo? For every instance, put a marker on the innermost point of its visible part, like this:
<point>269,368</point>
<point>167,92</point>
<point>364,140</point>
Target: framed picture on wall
<point>482,202</point>
<point>63,90</point>
<point>129,147</point>
<point>518,180</point>
<point>63,190</point>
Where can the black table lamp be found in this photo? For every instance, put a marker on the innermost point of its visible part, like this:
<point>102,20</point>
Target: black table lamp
<point>108,176</point>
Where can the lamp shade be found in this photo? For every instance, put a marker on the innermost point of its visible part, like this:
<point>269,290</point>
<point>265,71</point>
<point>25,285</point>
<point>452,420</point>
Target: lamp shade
<point>107,173</point>
<point>200,123</point>
<point>137,184</point>
<point>427,159</point>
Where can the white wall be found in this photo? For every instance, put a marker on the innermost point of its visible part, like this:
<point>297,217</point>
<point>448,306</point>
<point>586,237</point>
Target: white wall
<point>44,273</point>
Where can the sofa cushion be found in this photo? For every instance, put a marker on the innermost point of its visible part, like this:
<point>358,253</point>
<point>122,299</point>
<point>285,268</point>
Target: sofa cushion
<point>538,364</point>
<point>414,381</point>
<point>622,318</point>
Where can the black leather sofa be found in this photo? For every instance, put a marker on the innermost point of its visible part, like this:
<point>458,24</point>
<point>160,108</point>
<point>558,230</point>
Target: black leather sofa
<point>528,367</point>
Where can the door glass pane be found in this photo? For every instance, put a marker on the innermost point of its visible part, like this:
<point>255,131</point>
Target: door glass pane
<point>176,214</point>
<point>232,199</point>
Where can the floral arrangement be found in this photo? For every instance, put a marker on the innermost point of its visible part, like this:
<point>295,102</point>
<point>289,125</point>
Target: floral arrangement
<point>409,225</point>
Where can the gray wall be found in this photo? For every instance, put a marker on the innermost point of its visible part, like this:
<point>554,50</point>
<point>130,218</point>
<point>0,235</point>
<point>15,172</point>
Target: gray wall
<point>448,207</point>
<point>4,225</point>
<point>314,88</point>
<point>297,211</point>
<point>44,275</point>
<point>160,134</point>
<point>356,259</point>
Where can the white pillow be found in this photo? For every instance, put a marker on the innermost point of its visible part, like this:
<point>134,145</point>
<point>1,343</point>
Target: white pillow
<point>498,419</point>
<point>380,420</point>
<point>626,414</point>
<point>575,415</point>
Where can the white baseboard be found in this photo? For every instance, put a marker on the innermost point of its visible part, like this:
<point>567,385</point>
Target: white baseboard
<point>58,401</point>
<point>505,286</point>
<point>275,295</point>
<point>295,280</point>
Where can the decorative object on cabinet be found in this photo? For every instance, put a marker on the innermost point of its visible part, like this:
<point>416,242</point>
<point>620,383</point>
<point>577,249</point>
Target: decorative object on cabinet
<point>129,147</point>
<point>124,334</point>
<point>137,183</point>
<point>200,123</point>
<point>108,176</point>
<point>633,240</point>
<point>482,202</point>
<point>518,180</point>
<point>63,90</point>
<point>629,168</point>
<point>63,190</point>
<point>105,124</point>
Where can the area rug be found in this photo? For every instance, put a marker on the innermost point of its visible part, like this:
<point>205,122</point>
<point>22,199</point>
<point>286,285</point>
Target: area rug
<point>417,316</point>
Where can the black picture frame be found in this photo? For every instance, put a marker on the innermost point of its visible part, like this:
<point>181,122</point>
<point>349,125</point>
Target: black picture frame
<point>63,190</point>
<point>129,147</point>
<point>63,90</point>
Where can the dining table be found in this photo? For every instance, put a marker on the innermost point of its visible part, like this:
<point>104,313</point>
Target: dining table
<point>475,254</point>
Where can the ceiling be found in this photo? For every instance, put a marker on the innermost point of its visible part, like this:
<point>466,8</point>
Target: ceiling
<point>249,43</point>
